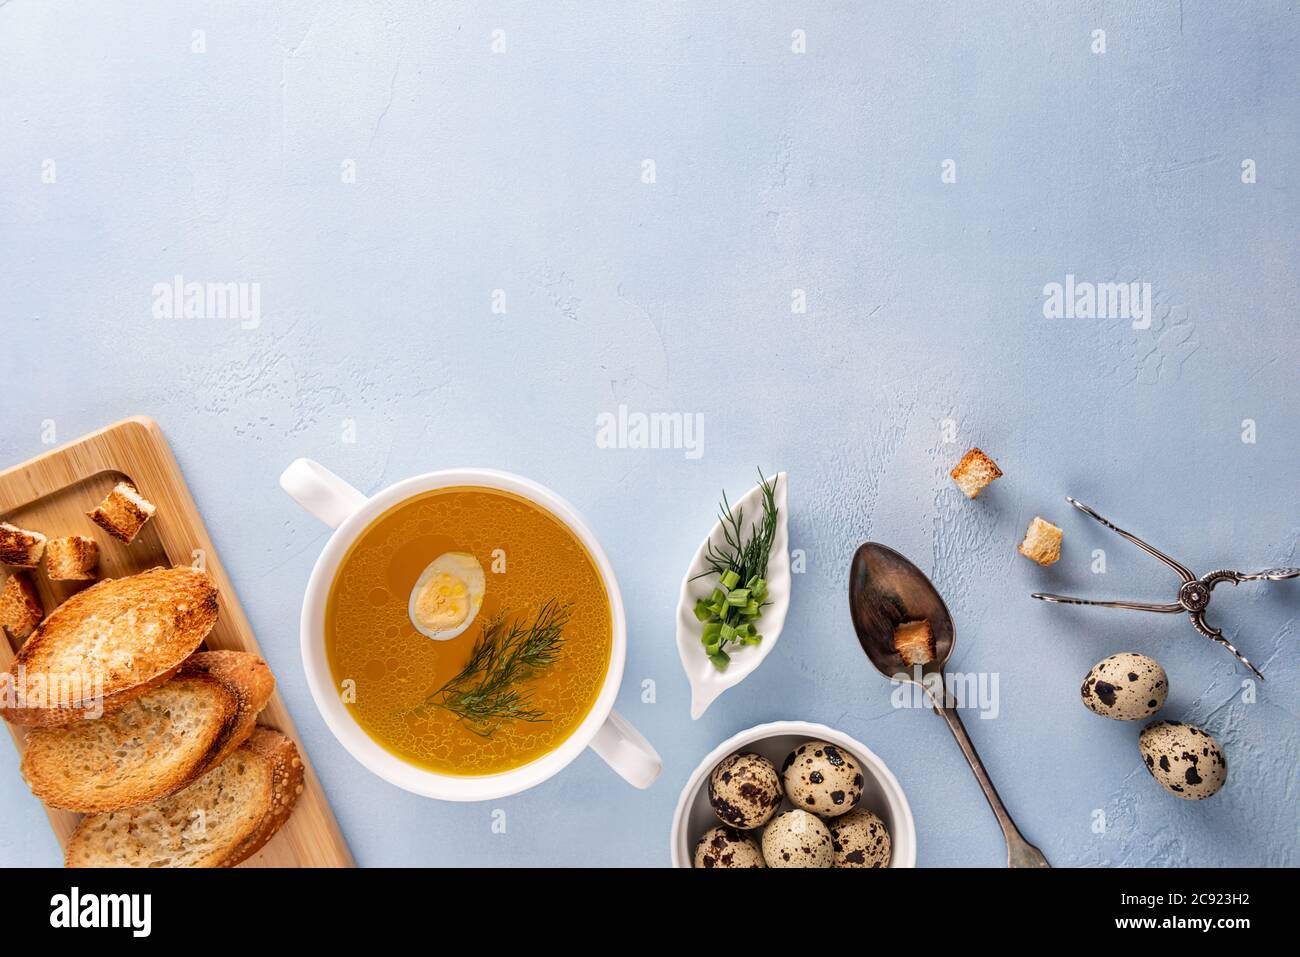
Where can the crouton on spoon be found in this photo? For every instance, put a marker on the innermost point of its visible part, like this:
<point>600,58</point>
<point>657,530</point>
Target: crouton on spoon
<point>886,591</point>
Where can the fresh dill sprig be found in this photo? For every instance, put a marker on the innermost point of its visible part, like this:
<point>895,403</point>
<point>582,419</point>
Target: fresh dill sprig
<point>485,693</point>
<point>745,558</point>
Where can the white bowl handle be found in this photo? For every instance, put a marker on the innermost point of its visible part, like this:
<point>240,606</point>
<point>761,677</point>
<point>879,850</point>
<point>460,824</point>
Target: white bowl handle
<point>627,751</point>
<point>320,491</point>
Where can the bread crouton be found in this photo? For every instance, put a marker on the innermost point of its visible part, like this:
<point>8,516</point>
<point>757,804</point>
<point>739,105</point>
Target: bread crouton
<point>974,472</point>
<point>71,559</point>
<point>20,547</point>
<point>914,642</point>
<point>123,513</point>
<point>1042,542</point>
<point>20,606</point>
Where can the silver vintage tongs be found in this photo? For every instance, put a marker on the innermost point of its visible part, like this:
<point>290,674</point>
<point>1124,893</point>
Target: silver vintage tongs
<point>1193,594</point>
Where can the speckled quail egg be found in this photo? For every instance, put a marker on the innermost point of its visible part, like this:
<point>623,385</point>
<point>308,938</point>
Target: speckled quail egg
<point>1127,686</point>
<point>1184,759</point>
<point>822,778</point>
<point>745,790</point>
<point>859,839</point>
<point>724,846</point>
<point>797,839</point>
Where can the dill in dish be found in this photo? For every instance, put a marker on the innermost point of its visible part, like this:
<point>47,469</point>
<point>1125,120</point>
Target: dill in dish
<point>731,612</point>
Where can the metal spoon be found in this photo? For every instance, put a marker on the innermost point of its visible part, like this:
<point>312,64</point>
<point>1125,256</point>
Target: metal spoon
<point>886,589</point>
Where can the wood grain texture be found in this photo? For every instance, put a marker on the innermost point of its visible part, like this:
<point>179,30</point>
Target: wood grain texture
<point>52,493</point>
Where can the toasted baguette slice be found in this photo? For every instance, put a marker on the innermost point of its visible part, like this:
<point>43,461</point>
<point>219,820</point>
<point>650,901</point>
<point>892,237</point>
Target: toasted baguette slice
<point>123,513</point>
<point>106,645</point>
<point>71,559</point>
<point>20,547</point>
<point>223,818</point>
<point>157,743</point>
<point>20,606</point>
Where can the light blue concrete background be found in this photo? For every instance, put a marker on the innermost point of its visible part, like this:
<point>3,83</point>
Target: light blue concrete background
<point>775,171</point>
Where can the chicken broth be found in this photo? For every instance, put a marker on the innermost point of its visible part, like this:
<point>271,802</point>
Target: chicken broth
<point>422,545</point>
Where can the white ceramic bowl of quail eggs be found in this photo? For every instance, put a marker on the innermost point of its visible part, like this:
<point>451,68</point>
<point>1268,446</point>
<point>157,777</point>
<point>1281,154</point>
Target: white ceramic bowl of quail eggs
<point>792,794</point>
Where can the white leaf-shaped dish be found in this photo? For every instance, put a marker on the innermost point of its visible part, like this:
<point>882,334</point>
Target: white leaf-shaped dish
<point>706,681</point>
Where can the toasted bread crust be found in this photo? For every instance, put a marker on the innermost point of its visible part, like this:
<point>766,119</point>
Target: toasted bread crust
<point>974,472</point>
<point>147,835</point>
<point>59,715</point>
<point>95,785</point>
<point>287,776</point>
<point>249,678</point>
<point>72,558</point>
<point>1042,542</point>
<point>914,642</point>
<point>231,687</point>
<point>123,512</point>
<point>20,606</point>
<point>133,633</point>
<point>20,547</point>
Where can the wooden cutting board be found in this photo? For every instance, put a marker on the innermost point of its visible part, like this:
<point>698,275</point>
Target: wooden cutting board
<point>52,493</point>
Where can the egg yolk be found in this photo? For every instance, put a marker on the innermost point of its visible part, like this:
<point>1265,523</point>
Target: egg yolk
<point>443,603</point>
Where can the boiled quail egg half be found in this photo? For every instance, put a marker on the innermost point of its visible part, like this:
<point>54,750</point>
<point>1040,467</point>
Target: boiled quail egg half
<point>447,596</point>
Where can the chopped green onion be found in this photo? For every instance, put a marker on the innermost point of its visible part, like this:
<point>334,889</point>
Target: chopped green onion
<point>730,580</point>
<point>720,660</point>
<point>702,611</point>
<point>738,598</point>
